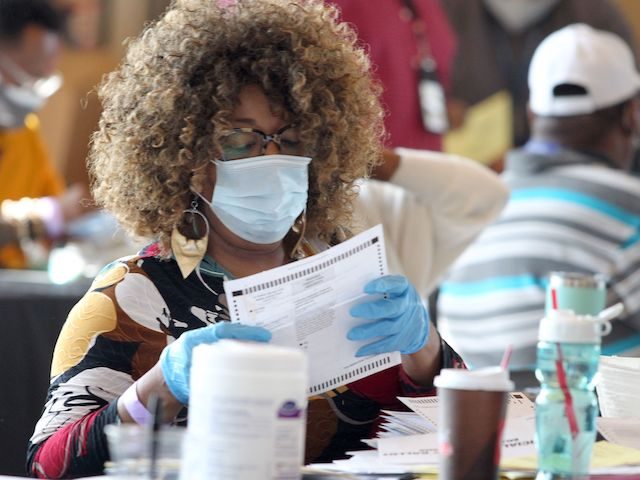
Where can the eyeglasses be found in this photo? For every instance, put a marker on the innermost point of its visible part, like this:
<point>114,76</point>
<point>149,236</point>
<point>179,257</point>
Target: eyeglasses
<point>250,142</point>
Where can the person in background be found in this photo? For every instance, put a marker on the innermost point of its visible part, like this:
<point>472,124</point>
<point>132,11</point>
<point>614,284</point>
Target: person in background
<point>496,39</point>
<point>232,134</point>
<point>574,205</point>
<point>34,201</point>
<point>431,206</point>
<point>411,46</point>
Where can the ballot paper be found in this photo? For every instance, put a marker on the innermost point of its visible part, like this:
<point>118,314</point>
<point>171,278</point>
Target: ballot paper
<point>306,304</point>
<point>518,405</point>
<point>411,438</point>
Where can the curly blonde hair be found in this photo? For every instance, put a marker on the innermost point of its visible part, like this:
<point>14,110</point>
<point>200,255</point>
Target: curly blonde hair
<point>166,105</point>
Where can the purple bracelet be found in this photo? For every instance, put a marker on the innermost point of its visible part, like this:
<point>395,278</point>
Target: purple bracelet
<point>137,411</point>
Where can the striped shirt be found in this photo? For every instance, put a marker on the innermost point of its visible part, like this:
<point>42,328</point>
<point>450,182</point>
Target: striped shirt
<point>568,211</point>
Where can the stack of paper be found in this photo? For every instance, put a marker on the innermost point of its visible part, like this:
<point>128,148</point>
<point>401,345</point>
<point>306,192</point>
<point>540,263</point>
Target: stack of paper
<point>622,431</point>
<point>408,441</point>
<point>618,386</point>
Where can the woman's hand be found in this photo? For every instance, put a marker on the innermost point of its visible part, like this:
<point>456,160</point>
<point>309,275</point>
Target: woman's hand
<point>399,320</point>
<point>175,359</point>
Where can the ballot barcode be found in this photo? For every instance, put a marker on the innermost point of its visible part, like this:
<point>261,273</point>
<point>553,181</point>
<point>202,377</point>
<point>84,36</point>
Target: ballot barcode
<point>316,268</point>
<point>347,376</point>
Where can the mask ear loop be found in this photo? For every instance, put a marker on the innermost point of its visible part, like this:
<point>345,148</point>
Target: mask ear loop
<point>197,269</point>
<point>299,227</point>
<point>199,275</point>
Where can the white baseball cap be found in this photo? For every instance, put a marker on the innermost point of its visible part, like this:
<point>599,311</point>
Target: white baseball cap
<point>599,62</point>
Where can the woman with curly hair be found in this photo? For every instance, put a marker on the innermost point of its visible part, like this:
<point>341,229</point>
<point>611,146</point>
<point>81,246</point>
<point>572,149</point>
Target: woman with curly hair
<point>232,134</point>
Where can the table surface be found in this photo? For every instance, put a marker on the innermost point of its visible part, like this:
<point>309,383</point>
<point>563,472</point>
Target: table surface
<point>32,311</point>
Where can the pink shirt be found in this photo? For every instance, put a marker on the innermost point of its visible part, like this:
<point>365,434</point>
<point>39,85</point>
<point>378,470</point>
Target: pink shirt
<point>393,52</point>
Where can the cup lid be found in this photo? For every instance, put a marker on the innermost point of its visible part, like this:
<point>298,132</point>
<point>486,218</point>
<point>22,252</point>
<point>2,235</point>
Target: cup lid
<point>566,326</point>
<point>492,379</point>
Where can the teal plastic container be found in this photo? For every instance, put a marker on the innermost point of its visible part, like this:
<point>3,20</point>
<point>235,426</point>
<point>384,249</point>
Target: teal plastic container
<point>584,293</point>
<point>569,348</point>
<point>561,454</point>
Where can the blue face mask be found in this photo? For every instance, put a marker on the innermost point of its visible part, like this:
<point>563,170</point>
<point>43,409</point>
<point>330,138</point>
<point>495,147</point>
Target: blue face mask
<point>259,198</point>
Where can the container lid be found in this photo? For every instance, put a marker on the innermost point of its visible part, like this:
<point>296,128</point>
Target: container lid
<point>566,326</point>
<point>238,356</point>
<point>577,280</point>
<point>492,379</point>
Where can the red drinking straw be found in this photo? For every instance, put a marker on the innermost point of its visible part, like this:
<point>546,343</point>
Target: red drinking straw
<point>504,364</point>
<point>562,379</point>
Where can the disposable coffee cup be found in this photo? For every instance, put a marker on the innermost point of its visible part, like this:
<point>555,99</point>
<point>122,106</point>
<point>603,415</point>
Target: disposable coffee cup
<point>473,405</point>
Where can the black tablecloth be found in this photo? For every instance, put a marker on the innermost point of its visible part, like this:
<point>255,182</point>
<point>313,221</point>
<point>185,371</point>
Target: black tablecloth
<point>32,311</point>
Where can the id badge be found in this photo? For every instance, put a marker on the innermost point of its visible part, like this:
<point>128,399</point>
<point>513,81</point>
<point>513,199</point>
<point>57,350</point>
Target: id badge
<point>433,103</point>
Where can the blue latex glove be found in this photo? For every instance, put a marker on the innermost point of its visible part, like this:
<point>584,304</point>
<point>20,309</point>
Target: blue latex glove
<point>175,359</point>
<point>399,320</point>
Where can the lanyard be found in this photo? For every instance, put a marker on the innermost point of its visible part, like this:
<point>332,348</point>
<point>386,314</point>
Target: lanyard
<point>419,30</point>
<point>431,97</point>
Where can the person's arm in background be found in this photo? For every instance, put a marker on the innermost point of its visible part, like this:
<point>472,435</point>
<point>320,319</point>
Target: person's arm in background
<point>40,218</point>
<point>443,203</point>
<point>59,204</point>
<point>436,206</point>
<point>36,204</point>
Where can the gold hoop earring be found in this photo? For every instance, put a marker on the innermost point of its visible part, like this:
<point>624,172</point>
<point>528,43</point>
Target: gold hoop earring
<point>189,252</point>
<point>299,227</point>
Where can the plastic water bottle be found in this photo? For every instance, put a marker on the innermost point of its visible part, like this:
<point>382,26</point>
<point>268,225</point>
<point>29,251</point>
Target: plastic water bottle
<point>566,407</point>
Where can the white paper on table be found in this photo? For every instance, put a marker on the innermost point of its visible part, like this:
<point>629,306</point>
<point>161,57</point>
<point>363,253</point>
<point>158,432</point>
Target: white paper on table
<point>518,405</point>
<point>366,462</point>
<point>306,304</point>
<point>517,441</point>
<point>410,449</point>
<point>623,431</point>
<point>518,437</point>
<point>407,423</point>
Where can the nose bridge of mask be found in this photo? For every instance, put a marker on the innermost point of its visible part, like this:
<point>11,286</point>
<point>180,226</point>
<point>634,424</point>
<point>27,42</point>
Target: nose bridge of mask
<point>258,176</point>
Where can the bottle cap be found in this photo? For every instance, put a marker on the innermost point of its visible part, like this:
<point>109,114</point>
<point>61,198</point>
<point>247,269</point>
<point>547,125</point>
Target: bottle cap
<point>566,326</point>
<point>492,379</point>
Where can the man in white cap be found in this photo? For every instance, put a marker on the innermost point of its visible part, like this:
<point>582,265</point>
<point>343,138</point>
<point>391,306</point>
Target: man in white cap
<point>574,205</point>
